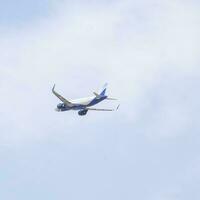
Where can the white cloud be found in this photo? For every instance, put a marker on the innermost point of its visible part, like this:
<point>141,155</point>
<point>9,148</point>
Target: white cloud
<point>148,52</point>
<point>128,44</point>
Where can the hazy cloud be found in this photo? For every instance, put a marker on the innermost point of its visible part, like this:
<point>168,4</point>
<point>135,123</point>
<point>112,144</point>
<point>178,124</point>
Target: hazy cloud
<point>148,52</point>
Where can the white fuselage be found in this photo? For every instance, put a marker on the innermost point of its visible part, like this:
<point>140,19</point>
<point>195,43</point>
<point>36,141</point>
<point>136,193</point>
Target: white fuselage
<point>83,101</point>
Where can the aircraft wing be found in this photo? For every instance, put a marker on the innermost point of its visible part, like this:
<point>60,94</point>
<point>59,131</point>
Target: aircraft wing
<point>97,109</point>
<point>111,99</point>
<point>65,101</point>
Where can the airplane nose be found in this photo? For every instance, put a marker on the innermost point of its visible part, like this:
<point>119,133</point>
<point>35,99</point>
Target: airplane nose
<point>57,110</point>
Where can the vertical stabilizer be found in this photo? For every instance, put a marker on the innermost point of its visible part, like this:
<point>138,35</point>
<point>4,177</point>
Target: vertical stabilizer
<point>103,90</point>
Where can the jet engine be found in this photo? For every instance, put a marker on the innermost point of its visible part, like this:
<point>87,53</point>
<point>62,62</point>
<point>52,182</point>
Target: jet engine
<point>60,106</point>
<point>82,112</point>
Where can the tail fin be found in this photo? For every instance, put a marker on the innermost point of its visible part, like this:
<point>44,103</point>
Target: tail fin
<point>102,92</point>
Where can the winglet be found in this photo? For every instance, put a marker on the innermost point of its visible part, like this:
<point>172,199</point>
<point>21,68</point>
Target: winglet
<point>118,107</point>
<point>65,101</point>
<point>53,87</point>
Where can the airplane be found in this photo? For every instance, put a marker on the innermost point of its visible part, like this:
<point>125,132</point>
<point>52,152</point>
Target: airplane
<point>83,105</point>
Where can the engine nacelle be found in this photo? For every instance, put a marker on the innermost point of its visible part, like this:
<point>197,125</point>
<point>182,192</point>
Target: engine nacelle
<point>60,106</point>
<point>82,112</point>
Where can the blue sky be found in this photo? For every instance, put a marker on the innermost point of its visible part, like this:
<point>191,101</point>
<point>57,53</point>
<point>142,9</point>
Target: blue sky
<point>148,52</point>
<point>15,13</point>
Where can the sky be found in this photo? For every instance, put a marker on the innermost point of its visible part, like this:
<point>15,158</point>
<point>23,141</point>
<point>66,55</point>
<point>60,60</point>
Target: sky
<point>148,52</point>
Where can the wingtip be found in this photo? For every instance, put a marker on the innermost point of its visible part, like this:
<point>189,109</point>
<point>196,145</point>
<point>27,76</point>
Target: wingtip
<point>53,87</point>
<point>118,107</point>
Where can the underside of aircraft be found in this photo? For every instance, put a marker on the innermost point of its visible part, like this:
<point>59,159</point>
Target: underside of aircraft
<point>83,105</point>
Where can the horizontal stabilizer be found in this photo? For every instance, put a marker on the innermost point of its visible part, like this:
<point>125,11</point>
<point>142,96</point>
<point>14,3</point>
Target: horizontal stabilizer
<point>97,95</point>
